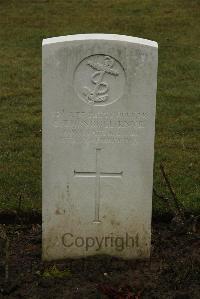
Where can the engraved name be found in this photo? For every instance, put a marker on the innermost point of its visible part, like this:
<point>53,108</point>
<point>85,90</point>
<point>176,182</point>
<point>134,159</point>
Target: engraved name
<point>105,127</point>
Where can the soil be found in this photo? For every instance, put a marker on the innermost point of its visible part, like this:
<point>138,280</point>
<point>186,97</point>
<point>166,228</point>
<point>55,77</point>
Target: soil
<point>172,272</point>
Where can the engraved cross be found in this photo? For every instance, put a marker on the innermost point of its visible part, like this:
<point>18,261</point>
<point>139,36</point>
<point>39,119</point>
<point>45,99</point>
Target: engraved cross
<point>98,174</point>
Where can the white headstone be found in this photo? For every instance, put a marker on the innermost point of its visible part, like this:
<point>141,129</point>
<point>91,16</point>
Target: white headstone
<point>99,99</point>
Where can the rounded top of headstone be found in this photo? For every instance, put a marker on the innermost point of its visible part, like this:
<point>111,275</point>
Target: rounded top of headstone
<point>99,36</point>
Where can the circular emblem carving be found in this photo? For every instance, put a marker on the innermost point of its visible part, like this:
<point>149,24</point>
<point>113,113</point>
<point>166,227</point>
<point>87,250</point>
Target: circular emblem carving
<point>99,80</point>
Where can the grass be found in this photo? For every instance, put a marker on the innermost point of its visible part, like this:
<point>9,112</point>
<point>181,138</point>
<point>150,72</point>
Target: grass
<point>174,24</point>
<point>54,272</point>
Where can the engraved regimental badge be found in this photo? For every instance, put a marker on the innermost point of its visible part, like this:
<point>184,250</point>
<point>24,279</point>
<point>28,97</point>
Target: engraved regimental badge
<point>99,80</point>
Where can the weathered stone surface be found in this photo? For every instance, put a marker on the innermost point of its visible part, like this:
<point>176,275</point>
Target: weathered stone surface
<point>99,95</point>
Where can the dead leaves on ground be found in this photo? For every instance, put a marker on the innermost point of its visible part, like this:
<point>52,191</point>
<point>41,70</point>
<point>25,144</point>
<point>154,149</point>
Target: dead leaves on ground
<point>124,292</point>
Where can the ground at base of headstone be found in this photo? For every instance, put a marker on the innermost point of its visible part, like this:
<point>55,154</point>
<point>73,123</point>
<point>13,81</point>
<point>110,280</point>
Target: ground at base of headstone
<point>172,272</point>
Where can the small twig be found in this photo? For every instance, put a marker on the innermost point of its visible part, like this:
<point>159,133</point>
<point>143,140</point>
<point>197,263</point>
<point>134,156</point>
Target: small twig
<point>19,203</point>
<point>19,210</point>
<point>165,199</point>
<point>7,261</point>
<point>176,201</point>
